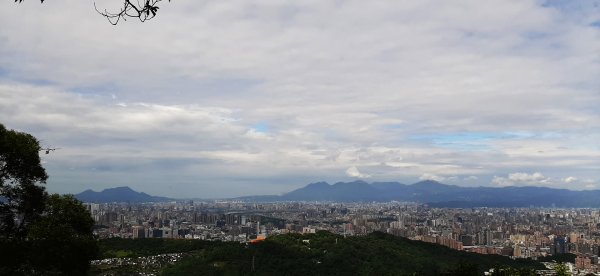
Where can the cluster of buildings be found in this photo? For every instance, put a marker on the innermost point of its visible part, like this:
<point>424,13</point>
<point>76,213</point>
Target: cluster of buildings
<point>514,232</point>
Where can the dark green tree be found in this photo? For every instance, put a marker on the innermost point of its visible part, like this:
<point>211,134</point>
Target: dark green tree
<point>561,269</point>
<point>22,199</point>
<point>61,240</point>
<point>463,269</point>
<point>39,234</point>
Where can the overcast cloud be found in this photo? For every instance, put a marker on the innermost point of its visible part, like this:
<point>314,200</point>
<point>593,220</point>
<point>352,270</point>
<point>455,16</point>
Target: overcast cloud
<point>229,98</point>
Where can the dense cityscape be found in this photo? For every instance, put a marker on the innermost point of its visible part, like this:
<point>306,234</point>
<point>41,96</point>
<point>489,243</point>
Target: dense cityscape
<point>515,232</point>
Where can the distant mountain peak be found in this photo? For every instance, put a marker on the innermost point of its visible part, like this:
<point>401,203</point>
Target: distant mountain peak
<point>318,184</point>
<point>117,194</point>
<point>120,189</point>
<point>353,183</point>
<point>429,183</point>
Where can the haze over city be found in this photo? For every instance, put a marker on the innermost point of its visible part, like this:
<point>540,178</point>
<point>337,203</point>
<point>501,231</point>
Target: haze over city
<point>222,99</point>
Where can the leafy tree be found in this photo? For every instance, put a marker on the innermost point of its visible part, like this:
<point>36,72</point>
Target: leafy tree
<point>22,200</point>
<point>39,234</point>
<point>62,238</point>
<point>561,270</point>
<point>463,269</point>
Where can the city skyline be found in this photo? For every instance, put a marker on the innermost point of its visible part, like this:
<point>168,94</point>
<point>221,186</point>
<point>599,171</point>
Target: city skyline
<point>213,99</point>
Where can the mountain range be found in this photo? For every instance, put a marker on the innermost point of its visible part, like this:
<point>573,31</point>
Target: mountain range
<point>429,192</point>
<point>118,194</point>
<point>438,195</point>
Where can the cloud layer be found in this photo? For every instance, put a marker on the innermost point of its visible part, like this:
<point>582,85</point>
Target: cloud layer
<point>251,97</point>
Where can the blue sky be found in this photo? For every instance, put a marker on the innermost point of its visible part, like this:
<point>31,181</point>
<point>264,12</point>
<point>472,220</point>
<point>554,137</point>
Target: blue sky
<point>229,98</point>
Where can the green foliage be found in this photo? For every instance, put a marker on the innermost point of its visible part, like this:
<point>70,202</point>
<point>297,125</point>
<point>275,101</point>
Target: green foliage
<point>560,258</point>
<point>561,270</point>
<point>62,238</point>
<point>463,269</point>
<point>39,234</point>
<point>19,158</point>
<point>60,242</point>
<point>64,218</point>
<point>21,200</point>
<point>329,254</point>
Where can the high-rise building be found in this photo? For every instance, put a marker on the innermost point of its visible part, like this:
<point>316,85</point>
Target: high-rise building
<point>488,237</point>
<point>560,245</point>
<point>139,232</point>
<point>157,233</point>
<point>583,262</point>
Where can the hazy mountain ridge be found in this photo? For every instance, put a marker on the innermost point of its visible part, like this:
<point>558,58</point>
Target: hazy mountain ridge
<point>118,194</point>
<point>439,195</point>
<point>429,192</point>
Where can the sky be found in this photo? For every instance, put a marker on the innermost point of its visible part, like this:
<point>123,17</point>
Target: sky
<point>229,98</point>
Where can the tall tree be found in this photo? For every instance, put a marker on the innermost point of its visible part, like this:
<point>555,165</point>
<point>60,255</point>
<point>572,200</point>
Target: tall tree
<point>22,199</point>
<point>61,240</point>
<point>39,234</point>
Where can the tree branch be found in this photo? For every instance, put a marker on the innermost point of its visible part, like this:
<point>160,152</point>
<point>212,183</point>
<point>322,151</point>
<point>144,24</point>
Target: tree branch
<point>143,12</point>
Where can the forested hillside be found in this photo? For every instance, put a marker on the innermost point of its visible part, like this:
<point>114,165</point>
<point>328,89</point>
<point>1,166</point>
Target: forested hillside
<point>322,253</point>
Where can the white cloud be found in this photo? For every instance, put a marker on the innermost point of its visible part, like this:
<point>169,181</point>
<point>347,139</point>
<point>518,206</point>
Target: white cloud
<point>570,179</point>
<point>340,85</point>
<point>449,179</point>
<point>354,172</point>
<point>427,176</point>
<point>525,177</point>
<point>471,178</point>
<point>519,178</point>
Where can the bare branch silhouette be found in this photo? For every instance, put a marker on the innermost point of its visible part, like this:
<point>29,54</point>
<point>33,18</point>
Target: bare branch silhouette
<point>143,12</point>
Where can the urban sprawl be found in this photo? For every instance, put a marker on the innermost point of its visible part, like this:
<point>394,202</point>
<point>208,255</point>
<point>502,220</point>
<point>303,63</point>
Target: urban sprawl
<point>514,232</point>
